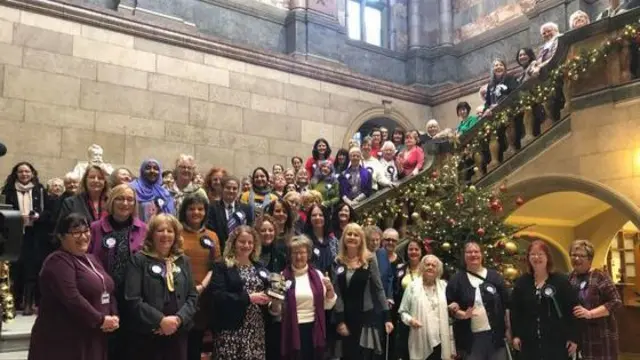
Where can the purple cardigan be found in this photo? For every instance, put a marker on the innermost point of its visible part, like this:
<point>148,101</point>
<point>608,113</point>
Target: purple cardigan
<point>102,227</point>
<point>365,183</point>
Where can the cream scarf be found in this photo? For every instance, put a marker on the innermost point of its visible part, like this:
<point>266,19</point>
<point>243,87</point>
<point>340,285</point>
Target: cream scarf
<point>25,199</point>
<point>419,345</point>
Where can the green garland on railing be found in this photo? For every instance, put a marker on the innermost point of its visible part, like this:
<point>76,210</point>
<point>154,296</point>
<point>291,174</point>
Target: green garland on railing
<point>571,69</point>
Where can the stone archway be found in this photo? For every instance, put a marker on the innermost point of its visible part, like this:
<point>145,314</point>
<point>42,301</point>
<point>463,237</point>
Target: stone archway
<point>373,113</point>
<point>600,228</point>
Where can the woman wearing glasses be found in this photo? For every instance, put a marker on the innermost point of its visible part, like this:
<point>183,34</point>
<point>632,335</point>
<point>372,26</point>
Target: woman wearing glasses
<point>77,301</point>
<point>542,306</point>
<point>114,240</point>
<point>598,300</point>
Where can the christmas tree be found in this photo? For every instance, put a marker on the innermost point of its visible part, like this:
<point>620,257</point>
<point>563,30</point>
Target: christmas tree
<point>444,212</point>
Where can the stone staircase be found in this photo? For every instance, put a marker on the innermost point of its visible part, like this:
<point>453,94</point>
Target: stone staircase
<point>14,340</point>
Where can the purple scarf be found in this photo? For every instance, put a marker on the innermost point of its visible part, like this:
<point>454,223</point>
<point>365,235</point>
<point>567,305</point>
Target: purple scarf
<point>148,192</point>
<point>290,341</point>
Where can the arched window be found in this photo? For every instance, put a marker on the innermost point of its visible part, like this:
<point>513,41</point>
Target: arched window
<point>367,20</point>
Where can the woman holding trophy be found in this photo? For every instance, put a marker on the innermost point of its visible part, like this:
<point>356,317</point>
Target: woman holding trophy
<point>307,295</point>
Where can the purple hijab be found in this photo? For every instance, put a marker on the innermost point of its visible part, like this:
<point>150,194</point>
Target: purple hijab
<point>148,192</point>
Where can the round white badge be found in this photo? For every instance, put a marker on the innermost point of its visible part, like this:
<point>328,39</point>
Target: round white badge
<point>400,273</point>
<point>288,283</point>
<point>340,270</point>
<point>400,266</point>
<point>111,242</point>
<point>328,186</point>
<point>207,242</point>
<point>160,202</point>
<point>348,176</point>
<point>263,274</point>
<point>156,269</point>
<point>177,270</point>
<point>549,291</point>
<point>491,289</point>
<point>316,251</point>
<point>583,285</point>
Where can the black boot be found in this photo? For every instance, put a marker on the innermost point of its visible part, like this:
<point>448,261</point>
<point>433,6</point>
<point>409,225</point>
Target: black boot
<point>29,300</point>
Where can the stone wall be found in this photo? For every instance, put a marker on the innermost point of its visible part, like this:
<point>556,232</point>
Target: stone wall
<point>602,146</point>
<point>65,85</point>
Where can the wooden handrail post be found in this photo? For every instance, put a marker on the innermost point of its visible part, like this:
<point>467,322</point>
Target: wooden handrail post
<point>494,152</point>
<point>529,122</point>
<point>548,117</point>
<point>625,62</point>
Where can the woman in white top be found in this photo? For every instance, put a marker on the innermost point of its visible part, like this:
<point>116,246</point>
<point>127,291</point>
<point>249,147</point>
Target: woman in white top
<point>424,310</point>
<point>308,295</point>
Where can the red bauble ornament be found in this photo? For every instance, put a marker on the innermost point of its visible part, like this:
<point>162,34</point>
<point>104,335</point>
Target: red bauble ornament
<point>452,222</point>
<point>459,199</point>
<point>480,232</point>
<point>503,188</point>
<point>434,174</point>
<point>495,205</point>
<point>500,244</point>
<point>519,201</point>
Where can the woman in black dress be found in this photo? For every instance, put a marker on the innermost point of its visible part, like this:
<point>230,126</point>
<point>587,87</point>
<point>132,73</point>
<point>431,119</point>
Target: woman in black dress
<point>357,310</point>
<point>24,192</point>
<point>160,294</point>
<point>542,302</point>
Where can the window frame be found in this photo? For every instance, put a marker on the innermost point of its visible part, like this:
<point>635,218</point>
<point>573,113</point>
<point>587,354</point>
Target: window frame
<point>381,5</point>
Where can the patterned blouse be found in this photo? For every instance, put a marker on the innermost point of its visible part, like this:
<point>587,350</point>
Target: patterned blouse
<point>599,337</point>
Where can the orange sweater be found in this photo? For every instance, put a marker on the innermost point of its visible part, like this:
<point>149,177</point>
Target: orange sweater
<point>201,257</point>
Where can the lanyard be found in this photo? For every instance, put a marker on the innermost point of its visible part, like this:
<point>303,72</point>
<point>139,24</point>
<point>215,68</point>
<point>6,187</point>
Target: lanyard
<point>95,272</point>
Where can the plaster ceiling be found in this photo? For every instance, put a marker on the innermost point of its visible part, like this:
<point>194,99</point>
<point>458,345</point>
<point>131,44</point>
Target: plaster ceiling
<point>560,208</point>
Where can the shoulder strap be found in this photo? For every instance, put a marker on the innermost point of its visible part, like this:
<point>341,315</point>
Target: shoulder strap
<point>476,275</point>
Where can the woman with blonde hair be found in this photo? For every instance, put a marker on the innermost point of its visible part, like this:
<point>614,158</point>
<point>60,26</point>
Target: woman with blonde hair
<point>238,298</point>
<point>424,309</point>
<point>115,239</point>
<point>160,293</point>
<point>360,294</point>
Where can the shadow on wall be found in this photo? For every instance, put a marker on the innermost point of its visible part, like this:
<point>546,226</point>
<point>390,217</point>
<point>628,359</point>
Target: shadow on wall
<point>560,263</point>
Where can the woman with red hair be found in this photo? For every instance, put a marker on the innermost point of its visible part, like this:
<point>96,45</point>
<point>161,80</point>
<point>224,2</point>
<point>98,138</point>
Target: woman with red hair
<point>542,303</point>
<point>213,184</point>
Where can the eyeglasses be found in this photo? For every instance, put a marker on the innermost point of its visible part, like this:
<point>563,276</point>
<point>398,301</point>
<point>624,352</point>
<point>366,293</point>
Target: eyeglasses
<point>578,256</point>
<point>392,240</point>
<point>78,234</point>
<point>538,256</point>
<point>122,200</point>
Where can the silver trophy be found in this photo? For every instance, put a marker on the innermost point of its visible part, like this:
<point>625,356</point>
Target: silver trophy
<point>278,286</point>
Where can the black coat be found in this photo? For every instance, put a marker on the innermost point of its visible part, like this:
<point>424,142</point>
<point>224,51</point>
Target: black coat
<point>146,293</point>
<point>495,299</point>
<point>217,219</point>
<point>510,84</point>
<point>527,308</point>
<point>75,204</point>
<point>230,299</point>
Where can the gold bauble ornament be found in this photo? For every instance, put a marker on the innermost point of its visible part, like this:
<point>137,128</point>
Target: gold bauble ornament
<point>4,288</point>
<point>446,246</point>
<point>415,216</point>
<point>510,273</point>
<point>472,188</point>
<point>511,247</point>
<point>438,206</point>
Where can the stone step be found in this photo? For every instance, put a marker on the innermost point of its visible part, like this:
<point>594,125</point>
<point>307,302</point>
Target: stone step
<point>14,355</point>
<point>15,336</point>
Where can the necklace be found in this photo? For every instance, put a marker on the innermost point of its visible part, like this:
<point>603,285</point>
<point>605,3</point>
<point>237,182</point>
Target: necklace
<point>431,293</point>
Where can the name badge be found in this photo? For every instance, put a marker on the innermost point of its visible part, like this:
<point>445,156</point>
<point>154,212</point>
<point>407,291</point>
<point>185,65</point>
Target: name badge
<point>583,285</point>
<point>263,274</point>
<point>105,298</point>
<point>110,243</point>
<point>156,269</point>
<point>340,270</point>
<point>316,251</point>
<point>490,289</point>
<point>160,202</point>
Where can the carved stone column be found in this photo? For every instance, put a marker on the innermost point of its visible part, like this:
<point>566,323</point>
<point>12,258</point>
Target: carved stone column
<point>446,22</point>
<point>529,122</point>
<point>478,161</point>
<point>625,62</point>
<point>510,133</point>
<point>415,38</point>
<point>494,151</point>
<point>548,117</point>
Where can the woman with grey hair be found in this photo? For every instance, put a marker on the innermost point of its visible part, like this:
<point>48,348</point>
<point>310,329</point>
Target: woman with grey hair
<point>303,330</point>
<point>598,300</point>
<point>578,19</point>
<point>424,309</point>
<point>549,32</point>
<point>388,161</point>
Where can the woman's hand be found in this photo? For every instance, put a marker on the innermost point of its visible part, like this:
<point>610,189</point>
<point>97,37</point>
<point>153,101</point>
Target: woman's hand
<point>415,324</point>
<point>388,327</point>
<point>328,285</point>
<point>581,313</point>
<point>517,344</point>
<point>454,307</point>
<point>168,325</point>
<point>342,329</point>
<point>464,315</point>
<point>110,323</point>
<point>199,288</point>
<point>259,298</point>
<point>571,347</point>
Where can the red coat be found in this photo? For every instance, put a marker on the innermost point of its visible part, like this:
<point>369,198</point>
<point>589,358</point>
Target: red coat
<point>309,165</point>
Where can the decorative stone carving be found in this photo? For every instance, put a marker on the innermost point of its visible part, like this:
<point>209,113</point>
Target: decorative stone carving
<point>94,157</point>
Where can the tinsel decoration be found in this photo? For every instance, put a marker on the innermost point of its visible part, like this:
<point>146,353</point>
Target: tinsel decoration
<point>8,304</point>
<point>572,69</point>
<point>445,213</point>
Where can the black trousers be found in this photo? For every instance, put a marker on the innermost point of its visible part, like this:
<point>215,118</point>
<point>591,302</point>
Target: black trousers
<point>436,354</point>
